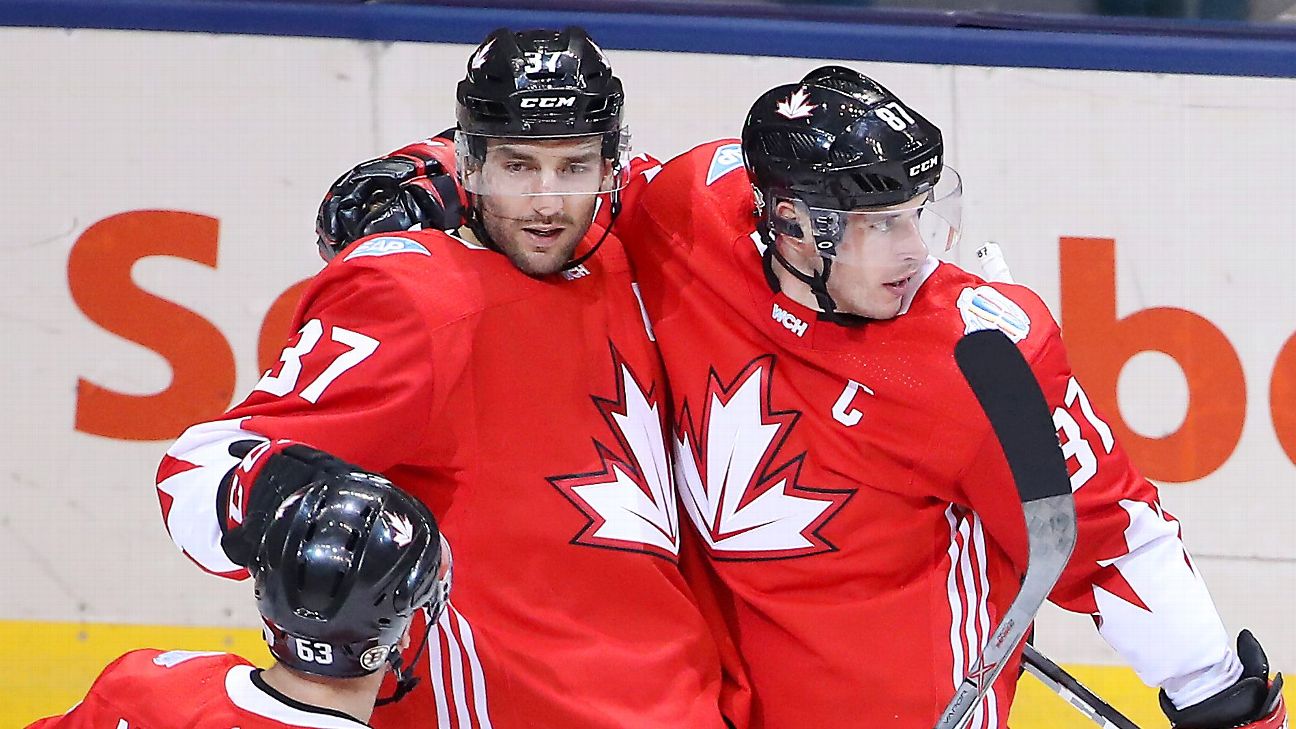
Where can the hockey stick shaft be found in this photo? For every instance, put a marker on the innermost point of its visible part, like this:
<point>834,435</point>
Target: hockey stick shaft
<point>1014,404</point>
<point>1073,692</point>
<point>995,268</point>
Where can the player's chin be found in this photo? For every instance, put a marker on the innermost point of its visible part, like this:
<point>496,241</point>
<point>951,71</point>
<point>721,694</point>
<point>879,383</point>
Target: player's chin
<point>543,261</point>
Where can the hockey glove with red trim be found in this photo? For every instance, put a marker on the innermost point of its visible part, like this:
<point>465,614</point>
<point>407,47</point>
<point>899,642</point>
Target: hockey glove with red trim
<point>249,494</point>
<point>412,186</point>
<point>1254,702</point>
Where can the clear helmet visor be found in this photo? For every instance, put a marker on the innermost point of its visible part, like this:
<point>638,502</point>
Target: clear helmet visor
<point>583,164</point>
<point>927,224</point>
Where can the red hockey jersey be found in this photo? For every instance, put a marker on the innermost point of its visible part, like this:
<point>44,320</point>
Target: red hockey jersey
<point>862,531</point>
<point>150,689</point>
<point>529,415</point>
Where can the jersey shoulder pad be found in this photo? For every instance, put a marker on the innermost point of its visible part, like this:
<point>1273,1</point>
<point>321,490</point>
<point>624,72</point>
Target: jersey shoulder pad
<point>149,680</point>
<point>705,185</point>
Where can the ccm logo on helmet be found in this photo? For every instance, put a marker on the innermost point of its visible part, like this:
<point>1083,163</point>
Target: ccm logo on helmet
<point>923,166</point>
<point>549,102</point>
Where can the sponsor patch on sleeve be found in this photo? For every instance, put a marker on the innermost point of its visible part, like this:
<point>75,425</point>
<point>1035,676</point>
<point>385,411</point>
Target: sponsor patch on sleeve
<point>985,308</point>
<point>386,246</point>
<point>727,158</point>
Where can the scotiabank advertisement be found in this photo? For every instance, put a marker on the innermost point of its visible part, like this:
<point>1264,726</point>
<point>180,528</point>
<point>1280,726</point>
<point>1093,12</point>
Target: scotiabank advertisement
<point>159,193</point>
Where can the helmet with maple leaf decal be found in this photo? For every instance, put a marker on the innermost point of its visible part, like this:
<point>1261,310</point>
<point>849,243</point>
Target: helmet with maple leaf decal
<point>837,150</point>
<point>341,570</point>
<point>839,139</point>
<point>552,85</point>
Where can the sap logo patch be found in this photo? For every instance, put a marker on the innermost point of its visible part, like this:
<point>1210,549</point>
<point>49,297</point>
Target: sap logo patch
<point>985,308</point>
<point>727,158</point>
<point>386,246</point>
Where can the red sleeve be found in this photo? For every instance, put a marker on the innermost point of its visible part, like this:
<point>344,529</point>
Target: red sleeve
<point>441,148</point>
<point>643,168</point>
<point>1130,569</point>
<point>356,379</point>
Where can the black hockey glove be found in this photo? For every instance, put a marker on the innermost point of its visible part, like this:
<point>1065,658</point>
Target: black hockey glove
<point>389,194</point>
<point>249,494</point>
<point>1254,702</point>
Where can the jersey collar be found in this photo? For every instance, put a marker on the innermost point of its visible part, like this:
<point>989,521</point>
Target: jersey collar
<point>247,691</point>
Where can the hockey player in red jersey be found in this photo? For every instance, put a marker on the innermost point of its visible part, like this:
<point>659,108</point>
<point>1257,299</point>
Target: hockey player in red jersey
<point>858,514</point>
<point>345,564</point>
<point>505,375</point>
<point>861,533</point>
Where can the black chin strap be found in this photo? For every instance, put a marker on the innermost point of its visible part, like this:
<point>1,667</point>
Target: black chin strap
<point>475,223</point>
<point>405,678</point>
<point>616,210</point>
<point>818,283</point>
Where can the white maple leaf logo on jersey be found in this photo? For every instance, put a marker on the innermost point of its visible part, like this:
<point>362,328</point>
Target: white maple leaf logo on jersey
<point>746,505</point>
<point>631,503</point>
<point>479,58</point>
<point>402,530</point>
<point>795,107</point>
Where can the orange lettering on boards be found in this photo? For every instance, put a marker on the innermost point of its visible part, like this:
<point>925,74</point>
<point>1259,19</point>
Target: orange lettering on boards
<point>202,364</point>
<point>1100,345</point>
<point>1282,398</point>
<point>277,326</point>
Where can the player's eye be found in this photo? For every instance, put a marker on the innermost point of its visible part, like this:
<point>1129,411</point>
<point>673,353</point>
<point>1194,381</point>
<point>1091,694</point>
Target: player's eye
<point>882,224</point>
<point>516,166</point>
<point>577,168</point>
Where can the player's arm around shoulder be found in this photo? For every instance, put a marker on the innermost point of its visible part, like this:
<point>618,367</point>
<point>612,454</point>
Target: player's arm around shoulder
<point>352,381</point>
<point>663,200</point>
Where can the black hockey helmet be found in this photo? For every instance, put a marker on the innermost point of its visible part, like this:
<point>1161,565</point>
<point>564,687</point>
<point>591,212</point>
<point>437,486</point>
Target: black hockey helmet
<point>342,568</point>
<point>840,140</point>
<point>839,148</point>
<point>541,83</point>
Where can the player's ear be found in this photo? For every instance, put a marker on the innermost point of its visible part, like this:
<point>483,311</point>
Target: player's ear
<point>405,640</point>
<point>790,222</point>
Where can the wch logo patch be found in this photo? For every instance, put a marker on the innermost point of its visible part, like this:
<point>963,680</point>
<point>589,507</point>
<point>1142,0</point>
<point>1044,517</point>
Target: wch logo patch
<point>789,321</point>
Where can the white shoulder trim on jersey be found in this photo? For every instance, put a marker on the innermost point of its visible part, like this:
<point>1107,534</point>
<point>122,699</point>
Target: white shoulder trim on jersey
<point>246,696</point>
<point>203,451</point>
<point>471,245</point>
